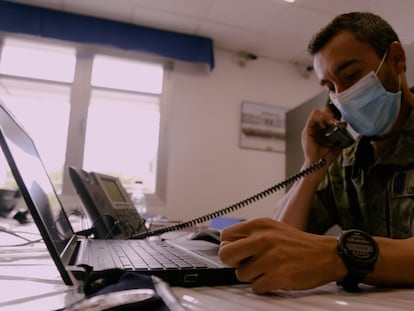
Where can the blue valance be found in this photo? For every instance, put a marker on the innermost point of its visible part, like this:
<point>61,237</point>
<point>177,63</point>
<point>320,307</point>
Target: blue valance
<point>78,28</point>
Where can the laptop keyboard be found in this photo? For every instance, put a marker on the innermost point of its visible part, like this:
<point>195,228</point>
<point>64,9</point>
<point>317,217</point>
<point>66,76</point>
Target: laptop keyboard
<point>142,254</point>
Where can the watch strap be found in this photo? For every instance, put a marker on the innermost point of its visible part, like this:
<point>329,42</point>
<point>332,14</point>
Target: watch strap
<point>351,280</point>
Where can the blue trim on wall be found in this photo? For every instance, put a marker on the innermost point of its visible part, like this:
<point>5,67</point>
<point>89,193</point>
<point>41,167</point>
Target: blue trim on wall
<point>48,23</point>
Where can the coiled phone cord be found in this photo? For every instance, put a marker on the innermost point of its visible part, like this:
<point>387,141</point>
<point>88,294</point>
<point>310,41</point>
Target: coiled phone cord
<point>259,196</point>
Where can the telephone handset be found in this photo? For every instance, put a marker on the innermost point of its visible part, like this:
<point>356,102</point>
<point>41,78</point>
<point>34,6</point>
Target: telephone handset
<point>107,204</point>
<point>338,136</point>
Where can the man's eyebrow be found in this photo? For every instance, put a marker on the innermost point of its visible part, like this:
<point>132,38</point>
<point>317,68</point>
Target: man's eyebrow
<point>344,65</point>
<point>339,68</point>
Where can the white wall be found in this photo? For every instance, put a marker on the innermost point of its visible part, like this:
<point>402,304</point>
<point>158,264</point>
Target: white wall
<point>206,168</point>
<point>409,52</point>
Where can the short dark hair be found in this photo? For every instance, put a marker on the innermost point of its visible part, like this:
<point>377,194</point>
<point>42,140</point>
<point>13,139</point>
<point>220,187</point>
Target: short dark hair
<point>367,27</point>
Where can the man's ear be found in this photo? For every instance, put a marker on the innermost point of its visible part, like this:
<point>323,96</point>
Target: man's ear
<point>396,55</point>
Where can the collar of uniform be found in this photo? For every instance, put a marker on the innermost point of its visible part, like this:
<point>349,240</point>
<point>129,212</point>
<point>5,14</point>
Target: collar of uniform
<point>400,155</point>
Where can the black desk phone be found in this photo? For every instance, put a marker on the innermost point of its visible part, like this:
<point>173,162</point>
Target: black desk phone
<point>107,204</point>
<point>114,215</point>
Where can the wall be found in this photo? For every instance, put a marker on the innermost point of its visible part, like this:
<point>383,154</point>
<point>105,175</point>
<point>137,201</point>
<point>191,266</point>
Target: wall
<point>409,52</point>
<point>206,168</point>
<point>295,121</point>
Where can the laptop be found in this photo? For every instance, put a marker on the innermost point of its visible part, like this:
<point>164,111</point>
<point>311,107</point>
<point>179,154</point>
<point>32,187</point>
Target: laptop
<point>76,256</point>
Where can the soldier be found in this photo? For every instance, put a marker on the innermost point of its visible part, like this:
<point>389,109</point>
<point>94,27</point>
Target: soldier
<point>367,189</point>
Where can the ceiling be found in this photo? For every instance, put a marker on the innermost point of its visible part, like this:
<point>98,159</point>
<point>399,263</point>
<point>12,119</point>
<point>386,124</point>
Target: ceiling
<point>267,28</point>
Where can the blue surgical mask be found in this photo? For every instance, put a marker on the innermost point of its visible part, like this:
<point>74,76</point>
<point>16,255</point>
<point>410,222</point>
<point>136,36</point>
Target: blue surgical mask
<point>367,106</point>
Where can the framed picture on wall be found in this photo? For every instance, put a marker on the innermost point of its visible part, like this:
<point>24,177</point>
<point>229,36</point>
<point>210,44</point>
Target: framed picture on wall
<point>262,127</point>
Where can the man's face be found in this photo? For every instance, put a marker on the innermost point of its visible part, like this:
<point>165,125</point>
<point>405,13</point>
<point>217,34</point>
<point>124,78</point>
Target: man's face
<point>344,61</point>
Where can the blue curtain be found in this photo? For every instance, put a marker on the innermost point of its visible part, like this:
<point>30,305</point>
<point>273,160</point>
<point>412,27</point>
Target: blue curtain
<point>37,21</point>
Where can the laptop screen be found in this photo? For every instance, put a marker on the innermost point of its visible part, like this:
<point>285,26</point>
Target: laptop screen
<point>34,183</point>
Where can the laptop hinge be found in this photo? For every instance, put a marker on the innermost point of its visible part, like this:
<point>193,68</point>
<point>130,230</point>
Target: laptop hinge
<point>71,253</point>
<point>86,233</point>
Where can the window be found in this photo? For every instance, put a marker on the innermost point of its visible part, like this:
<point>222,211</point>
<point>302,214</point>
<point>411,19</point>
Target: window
<point>122,136</point>
<point>122,74</point>
<point>38,99</point>
<point>116,111</point>
<point>37,60</point>
<point>123,120</point>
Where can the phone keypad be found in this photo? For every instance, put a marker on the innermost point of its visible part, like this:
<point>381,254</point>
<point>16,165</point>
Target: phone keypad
<point>129,220</point>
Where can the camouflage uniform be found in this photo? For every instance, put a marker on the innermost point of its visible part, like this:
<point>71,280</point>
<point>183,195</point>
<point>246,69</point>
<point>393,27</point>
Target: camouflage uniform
<point>377,198</point>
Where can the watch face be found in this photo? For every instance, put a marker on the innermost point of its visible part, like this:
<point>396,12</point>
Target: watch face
<point>359,245</point>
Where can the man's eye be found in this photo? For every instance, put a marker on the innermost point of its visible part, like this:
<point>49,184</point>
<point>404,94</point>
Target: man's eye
<point>352,78</point>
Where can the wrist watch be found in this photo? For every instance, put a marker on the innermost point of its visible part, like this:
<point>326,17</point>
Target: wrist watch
<point>359,252</point>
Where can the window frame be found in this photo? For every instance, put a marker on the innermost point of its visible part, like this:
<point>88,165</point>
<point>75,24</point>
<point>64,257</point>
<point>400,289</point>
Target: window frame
<point>81,88</point>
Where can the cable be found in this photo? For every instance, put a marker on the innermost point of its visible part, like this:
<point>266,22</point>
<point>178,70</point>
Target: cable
<point>259,196</point>
<point>28,241</point>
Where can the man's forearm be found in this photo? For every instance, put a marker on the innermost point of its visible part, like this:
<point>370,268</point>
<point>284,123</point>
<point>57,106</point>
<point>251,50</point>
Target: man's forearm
<point>395,263</point>
<point>294,207</point>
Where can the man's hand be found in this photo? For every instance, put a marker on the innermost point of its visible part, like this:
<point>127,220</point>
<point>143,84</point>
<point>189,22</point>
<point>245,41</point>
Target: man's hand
<point>313,144</point>
<point>273,255</point>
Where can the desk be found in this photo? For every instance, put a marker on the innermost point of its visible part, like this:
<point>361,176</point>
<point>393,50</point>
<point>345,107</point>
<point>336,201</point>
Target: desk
<point>30,281</point>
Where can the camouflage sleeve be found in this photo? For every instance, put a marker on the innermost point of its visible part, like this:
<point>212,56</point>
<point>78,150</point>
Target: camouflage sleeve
<point>321,216</point>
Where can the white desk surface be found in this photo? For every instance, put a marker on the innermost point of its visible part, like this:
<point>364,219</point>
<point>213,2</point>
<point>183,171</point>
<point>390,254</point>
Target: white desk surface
<point>30,281</point>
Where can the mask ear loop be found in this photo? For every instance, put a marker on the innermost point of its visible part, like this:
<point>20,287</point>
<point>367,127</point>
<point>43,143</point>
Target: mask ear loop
<point>379,68</point>
<point>399,83</point>
<point>382,62</point>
